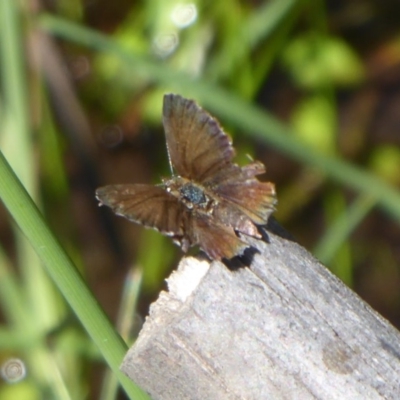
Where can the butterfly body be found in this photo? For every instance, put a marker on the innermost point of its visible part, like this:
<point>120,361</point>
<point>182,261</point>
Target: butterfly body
<point>191,194</point>
<point>209,199</point>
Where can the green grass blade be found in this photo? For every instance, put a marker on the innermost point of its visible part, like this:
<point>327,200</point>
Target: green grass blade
<point>125,323</point>
<point>343,227</point>
<point>267,18</point>
<point>14,89</point>
<point>64,274</point>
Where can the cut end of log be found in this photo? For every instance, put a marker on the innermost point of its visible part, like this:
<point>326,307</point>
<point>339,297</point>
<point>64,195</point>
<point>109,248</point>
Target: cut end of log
<point>187,277</point>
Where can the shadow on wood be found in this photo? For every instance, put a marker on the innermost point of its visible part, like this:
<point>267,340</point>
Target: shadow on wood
<point>283,328</point>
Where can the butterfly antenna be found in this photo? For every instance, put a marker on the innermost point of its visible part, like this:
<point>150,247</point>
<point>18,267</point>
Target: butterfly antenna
<point>170,162</point>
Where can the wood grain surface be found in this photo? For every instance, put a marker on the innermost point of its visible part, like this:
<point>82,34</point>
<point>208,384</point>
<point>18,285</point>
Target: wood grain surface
<point>281,328</point>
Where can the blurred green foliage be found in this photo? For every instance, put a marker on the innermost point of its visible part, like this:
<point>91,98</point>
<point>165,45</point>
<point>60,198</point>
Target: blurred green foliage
<point>89,66</point>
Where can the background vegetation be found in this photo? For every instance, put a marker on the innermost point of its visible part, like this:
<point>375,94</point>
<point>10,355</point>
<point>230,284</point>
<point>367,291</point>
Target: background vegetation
<point>309,87</point>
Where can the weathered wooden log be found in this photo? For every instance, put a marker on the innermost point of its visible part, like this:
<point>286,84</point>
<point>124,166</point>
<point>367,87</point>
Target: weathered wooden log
<point>282,328</point>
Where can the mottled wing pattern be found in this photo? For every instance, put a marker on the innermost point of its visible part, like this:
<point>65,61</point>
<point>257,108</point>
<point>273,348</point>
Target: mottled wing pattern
<point>197,146</point>
<point>149,205</point>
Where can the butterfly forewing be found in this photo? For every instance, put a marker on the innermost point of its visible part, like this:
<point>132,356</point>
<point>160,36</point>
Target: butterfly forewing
<point>197,145</point>
<point>149,205</point>
<point>218,241</point>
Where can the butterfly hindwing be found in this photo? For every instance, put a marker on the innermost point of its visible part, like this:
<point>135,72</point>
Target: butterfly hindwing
<point>254,199</point>
<point>242,199</point>
<point>218,241</point>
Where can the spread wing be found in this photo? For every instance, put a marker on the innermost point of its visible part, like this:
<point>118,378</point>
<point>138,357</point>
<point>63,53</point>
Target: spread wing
<point>218,241</point>
<point>149,205</point>
<point>197,145</point>
<point>153,207</point>
<point>243,197</point>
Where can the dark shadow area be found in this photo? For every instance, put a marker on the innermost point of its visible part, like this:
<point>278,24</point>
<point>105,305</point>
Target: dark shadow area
<point>273,226</point>
<point>241,261</point>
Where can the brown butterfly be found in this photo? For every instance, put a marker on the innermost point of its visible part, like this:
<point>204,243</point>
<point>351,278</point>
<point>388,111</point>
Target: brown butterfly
<point>209,198</point>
